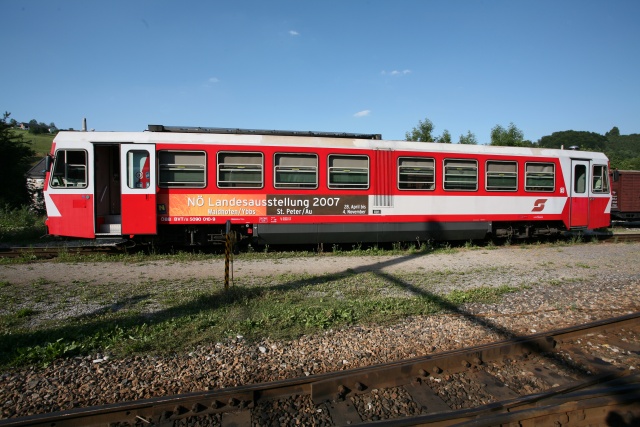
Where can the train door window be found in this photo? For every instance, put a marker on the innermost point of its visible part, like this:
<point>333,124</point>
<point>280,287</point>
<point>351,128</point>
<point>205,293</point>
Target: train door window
<point>294,170</point>
<point>501,176</point>
<point>348,172</point>
<point>539,177</point>
<point>460,174</point>
<point>182,169</point>
<point>416,173</point>
<point>600,179</point>
<point>69,169</point>
<point>240,170</point>
<point>580,179</point>
<point>138,169</point>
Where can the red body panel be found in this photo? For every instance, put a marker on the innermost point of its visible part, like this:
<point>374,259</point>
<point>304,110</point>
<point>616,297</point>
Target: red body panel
<point>598,215</point>
<point>142,214</point>
<point>579,211</point>
<point>76,218</point>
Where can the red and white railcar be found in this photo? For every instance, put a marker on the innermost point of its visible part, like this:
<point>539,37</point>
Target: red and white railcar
<point>187,185</point>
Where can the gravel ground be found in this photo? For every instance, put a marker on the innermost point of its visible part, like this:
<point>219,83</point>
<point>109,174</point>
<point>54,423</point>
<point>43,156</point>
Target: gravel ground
<point>567,285</point>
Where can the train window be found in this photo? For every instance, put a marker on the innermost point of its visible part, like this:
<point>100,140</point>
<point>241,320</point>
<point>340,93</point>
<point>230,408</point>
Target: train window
<point>69,169</point>
<point>539,177</point>
<point>240,170</point>
<point>580,179</point>
<point>294,170</point>
<point>138,169</point>
<point>501,176</point>
<point>348,172</point>
<point>416,173</point>
<point>182,169</point>
<point>460,174</point>
<point>600,183</point>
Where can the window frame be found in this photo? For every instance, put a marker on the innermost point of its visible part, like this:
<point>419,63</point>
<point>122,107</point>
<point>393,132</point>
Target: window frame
<point>532,188</point>
<point>604,175</point>
<point>187,166</point>
<point>135,176</point>
<point>430,186</point>
<point>580,184</point>
<point>489,174</point>
<point>240,166</point>
<point>277,169</point>
<point>64,182</point>
<point>445,168</point>
<point>332,170</point>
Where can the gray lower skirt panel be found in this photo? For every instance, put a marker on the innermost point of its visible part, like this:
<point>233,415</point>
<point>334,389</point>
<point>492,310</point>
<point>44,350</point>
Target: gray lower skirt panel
<point>369,232</point>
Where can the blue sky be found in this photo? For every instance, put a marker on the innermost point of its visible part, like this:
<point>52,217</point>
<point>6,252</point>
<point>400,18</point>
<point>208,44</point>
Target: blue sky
<point>333,65</point>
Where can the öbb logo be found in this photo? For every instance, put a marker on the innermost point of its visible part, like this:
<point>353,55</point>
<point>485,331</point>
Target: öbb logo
<point>538,205</point>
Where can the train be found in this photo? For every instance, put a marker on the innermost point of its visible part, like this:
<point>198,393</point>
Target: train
<point>196,186</point>
<point>625,195</point>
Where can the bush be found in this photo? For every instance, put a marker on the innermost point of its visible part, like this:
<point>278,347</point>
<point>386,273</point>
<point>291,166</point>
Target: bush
<point>20,224</point>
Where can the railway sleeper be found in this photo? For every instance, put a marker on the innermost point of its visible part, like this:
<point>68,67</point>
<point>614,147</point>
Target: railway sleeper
<point>440,384</point>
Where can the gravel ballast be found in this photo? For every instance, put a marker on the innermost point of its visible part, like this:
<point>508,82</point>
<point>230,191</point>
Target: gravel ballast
<point>561,286</point>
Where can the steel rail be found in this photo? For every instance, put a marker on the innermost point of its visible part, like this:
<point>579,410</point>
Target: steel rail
<point>622,238</point>
<point>49,252</point>
<point>335,387</point>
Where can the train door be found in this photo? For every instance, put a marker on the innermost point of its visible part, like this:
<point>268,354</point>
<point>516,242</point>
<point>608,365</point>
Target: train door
<point>579,193</point>
<point>138,188</point>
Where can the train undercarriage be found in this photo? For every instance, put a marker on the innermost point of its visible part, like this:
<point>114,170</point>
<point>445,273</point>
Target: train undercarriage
<point>276,234</point>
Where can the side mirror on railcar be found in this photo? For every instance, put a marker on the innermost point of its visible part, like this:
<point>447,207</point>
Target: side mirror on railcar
<point>616,175</point>
<point>47,163</point>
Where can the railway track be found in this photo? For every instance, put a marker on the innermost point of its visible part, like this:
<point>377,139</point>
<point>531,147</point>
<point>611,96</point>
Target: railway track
<point>53,251</point>
<point>620,238</point>
<point>583,375</point>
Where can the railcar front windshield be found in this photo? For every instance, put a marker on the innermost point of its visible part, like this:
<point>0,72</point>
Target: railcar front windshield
<point>69,169</point>
<point>600,179</point>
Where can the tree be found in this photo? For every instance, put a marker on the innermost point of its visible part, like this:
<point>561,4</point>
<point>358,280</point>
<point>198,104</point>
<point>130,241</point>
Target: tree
<point>469,138</point>
<point>15,160</point>
<point>36,128</point>
<point>589,141</point>
<point>511,137</point>
<point>422,132</point>
<point>445,137</point>
<point>613,132</point>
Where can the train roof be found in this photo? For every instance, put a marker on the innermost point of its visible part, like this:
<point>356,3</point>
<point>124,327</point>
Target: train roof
<point>237,131</point>
<point>159,134</point>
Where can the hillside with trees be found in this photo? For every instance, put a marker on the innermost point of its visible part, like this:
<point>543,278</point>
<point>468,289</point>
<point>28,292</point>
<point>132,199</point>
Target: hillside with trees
<point>623,150</point>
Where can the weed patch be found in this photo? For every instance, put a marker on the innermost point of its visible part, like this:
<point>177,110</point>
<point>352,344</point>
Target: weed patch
<point>162,317</point>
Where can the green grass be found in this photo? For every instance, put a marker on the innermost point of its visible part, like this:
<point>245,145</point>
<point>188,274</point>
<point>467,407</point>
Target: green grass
<point>160,317</point>
<point>20,226</point>
<point>41,143</point>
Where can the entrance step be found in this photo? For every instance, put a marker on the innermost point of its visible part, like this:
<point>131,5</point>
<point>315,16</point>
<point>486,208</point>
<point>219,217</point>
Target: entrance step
<point>111,228</point>
<point>110,224</point>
